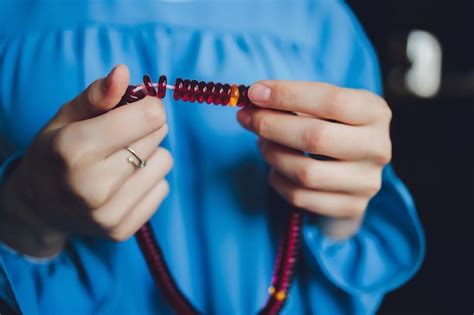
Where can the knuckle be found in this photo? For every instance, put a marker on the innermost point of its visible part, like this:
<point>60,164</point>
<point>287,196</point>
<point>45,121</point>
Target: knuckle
<point>164,130</point>
<point>388,114</point>
<point>339,100</point>
<point>314,137</point>
<point>166,187</point>
<point>96,198</point>
<point>296,198</point>
<point>356,208</point>
<point>359,208</point>
<point>261,125</point>
<point>66,147</point>
<point>63,145</point>
<point>284,95</point>
<point>306,175</point>
<point>70,147</point>
<point>119,235</point>
<point>106,221</point>
<point>266,153</point>
<point>166,157</point>
<point>383,156</point>
<point>92,199</point>
<point>154,114</point>
<point>374,185</point>
<point>384,111</point>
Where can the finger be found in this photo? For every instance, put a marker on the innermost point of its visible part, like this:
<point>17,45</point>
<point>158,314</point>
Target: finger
<point>142,213</point>
<point>127,196</point>
<point>99,97</point>
<point>330,176</point>
<point>116,166</point>
<point>330,204</point>
<point>308,134</point>
<point>319,100</point>
<point>121,126</point>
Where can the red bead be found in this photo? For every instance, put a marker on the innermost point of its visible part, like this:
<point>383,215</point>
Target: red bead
<point>216,94</point>
<point>178,89</point>
<point>194,91</point>
<point>162,86</point>
<point>186,90</point>
<point>149,89</point>
<point>202,91</point>
<point>225,95</point>
<point>210,88</point>
<point>243,99</point>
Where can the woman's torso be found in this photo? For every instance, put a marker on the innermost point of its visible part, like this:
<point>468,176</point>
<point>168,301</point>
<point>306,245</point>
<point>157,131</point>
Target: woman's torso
<point>217,228</point>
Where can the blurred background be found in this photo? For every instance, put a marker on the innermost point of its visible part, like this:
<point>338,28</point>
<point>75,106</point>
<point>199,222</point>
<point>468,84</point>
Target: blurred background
<point>426,51</point>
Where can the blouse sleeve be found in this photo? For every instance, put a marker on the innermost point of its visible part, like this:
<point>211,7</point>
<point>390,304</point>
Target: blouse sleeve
<point>384,254</point>
<point>389,246</point>
<point>8,302</point>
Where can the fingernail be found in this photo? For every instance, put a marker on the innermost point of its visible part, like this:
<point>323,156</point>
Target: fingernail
<point>259,92</point>
<point>244,118</point>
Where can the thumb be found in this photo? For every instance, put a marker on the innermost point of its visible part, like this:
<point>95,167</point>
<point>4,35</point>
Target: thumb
<point>99,97</point>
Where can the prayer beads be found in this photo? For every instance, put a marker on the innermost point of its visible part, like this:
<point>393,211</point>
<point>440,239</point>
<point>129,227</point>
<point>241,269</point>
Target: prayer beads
<point>190,91</point>
<point>289,246</point>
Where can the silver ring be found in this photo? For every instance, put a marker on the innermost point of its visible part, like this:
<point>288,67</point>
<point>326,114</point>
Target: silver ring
<point>135,159</point>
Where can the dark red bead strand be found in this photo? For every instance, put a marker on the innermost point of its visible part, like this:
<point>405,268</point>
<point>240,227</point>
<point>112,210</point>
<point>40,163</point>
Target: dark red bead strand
<point>160,271</point>
<point>289,246</point>
<point>190,91</point>
<point>209,92</point>
<point>286,271</point>
<point>291,259</point>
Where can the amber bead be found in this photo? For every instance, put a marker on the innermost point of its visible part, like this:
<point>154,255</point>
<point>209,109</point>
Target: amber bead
<point>234,95</point>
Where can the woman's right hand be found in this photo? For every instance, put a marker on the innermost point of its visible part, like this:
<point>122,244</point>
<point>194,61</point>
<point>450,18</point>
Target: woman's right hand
<point>75,177</point>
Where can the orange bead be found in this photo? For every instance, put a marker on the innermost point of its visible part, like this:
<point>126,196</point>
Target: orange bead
<point>234,95</point>
<point>281,295</point>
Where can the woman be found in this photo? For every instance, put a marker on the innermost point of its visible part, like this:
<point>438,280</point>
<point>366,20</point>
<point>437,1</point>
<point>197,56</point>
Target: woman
<point>71,200</point>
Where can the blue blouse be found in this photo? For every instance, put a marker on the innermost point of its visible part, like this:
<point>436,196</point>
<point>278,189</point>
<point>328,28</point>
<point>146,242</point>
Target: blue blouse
<point>218,227</point>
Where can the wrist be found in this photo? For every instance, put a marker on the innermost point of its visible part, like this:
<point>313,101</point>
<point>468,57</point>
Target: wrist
<point>20,226</point>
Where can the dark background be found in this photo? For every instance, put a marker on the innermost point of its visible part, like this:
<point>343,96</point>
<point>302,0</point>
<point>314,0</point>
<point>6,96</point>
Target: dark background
<point>432,142</point>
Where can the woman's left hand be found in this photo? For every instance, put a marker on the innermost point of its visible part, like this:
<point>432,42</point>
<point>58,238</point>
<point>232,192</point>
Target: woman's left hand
<point>349,126</point>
